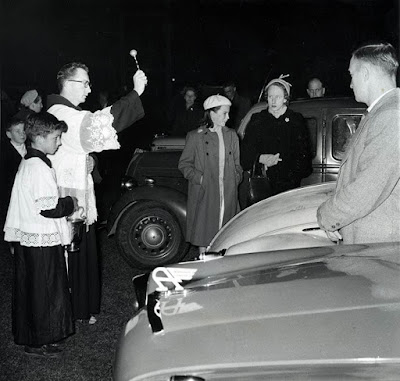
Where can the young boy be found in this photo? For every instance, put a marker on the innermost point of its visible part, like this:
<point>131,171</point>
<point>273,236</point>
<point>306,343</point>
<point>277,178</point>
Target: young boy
<point>41,313</point>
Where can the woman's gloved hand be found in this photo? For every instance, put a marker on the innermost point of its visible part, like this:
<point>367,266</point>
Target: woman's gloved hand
<point>269,160</point>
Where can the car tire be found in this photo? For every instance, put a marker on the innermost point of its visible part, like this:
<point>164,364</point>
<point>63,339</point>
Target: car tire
<point>148,235</point>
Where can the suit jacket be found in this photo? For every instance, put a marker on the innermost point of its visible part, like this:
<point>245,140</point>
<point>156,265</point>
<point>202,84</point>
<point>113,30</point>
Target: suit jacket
<point>10,160</point>
<point>366,204</point>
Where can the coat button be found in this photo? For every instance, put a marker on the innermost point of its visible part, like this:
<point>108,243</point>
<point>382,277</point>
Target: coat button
<point>206,142</point>
<point>207,153</point>
<point>333,226</point>
<point>337,224</point>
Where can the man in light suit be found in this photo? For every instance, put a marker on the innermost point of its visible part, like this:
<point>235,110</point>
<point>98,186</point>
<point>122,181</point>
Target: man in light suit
<point>365,207</point>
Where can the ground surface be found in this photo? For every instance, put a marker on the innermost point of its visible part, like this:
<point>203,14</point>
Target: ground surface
<point>89,354</point>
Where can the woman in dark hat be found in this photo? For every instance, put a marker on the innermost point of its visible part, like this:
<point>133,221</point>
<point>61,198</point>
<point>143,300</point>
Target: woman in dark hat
<point>211,164</point>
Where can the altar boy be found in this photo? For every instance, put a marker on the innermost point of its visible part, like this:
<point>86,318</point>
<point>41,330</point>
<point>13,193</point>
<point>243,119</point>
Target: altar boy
<point>41,313</point>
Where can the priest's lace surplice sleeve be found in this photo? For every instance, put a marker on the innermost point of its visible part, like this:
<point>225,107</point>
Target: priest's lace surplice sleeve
<point>97,133</point>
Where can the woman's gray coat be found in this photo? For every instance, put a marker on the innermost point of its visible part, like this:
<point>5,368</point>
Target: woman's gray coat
<point>199,160</point>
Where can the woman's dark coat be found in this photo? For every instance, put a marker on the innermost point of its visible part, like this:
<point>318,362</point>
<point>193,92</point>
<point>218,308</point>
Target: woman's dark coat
<point>200,159</point>
<point>186,120</point>
<point>287,135</point>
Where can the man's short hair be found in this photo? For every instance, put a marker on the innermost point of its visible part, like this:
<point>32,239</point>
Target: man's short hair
<point>42,124</point>
<point>315,79</point>
<point>68,71</point>
<point>381,54</point>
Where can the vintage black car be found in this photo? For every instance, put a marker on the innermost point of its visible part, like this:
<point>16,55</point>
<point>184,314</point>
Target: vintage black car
<point>149,218</point>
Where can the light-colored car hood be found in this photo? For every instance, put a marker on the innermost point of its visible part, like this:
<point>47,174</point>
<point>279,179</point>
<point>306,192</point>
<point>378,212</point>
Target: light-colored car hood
<point>285,221</point>
<point>331,306</point>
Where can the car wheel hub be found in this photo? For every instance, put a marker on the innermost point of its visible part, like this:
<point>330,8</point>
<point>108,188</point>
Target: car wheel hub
<point>152,235</point>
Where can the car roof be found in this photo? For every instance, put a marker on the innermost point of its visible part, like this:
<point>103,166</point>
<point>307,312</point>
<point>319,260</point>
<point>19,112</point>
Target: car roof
<point>330,305</point>
<point>328,102</point>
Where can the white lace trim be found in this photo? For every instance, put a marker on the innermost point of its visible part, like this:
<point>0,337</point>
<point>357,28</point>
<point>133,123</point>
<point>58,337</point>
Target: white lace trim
<point>67,175</point>
<point>46,203</point>
<point>97,133</point>
<point>33,239</point>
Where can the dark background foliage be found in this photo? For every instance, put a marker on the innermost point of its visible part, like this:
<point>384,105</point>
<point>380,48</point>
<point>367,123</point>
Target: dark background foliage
<point>189,41</point>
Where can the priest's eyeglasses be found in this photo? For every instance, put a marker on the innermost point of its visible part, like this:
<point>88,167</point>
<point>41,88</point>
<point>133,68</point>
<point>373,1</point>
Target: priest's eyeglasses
<point>86,84</point>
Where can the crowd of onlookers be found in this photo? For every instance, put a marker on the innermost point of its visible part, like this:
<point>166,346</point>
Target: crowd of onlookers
<point>187,111</point>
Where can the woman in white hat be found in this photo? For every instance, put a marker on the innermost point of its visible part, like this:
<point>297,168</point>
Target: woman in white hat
<point>210,162</point>
<point>31,102</point>
<point>277,138</point>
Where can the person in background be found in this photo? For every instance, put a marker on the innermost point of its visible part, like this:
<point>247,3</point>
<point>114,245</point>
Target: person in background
<point>278,139</point>
<point>366,204</point>
<point>41,304</point>
<point>187,114</point>
<point>87,132</point>
<point>31,102</point>
<point>12,151</point>
<point>315,88</point>
<point>8,108</point>
<point>240,105</point>
<point>101,101</point>
<point>210,162</point>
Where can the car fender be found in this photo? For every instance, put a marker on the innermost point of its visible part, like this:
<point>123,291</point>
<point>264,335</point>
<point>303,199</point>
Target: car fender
<point>292,240</point>
<point>291,212</point>
<point>175,201</point>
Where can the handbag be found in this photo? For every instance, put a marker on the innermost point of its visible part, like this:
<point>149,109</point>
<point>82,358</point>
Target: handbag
<point>260,186</point>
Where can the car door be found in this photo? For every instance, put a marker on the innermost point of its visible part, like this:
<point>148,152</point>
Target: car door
<point>340,125</point>
<point>314,118</point>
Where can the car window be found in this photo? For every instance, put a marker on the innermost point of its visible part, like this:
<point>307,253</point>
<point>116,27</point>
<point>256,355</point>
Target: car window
<point>343,126</point>
<point>313,132</point>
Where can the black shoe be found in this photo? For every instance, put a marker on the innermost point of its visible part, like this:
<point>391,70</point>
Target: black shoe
<point>43,351</point>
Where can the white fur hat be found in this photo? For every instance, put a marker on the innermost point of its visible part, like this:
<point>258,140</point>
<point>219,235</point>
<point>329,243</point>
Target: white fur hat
<point>215,101</point>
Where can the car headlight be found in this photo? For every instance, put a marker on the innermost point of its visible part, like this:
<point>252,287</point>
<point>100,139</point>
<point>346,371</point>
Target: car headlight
<point>128,183</point>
